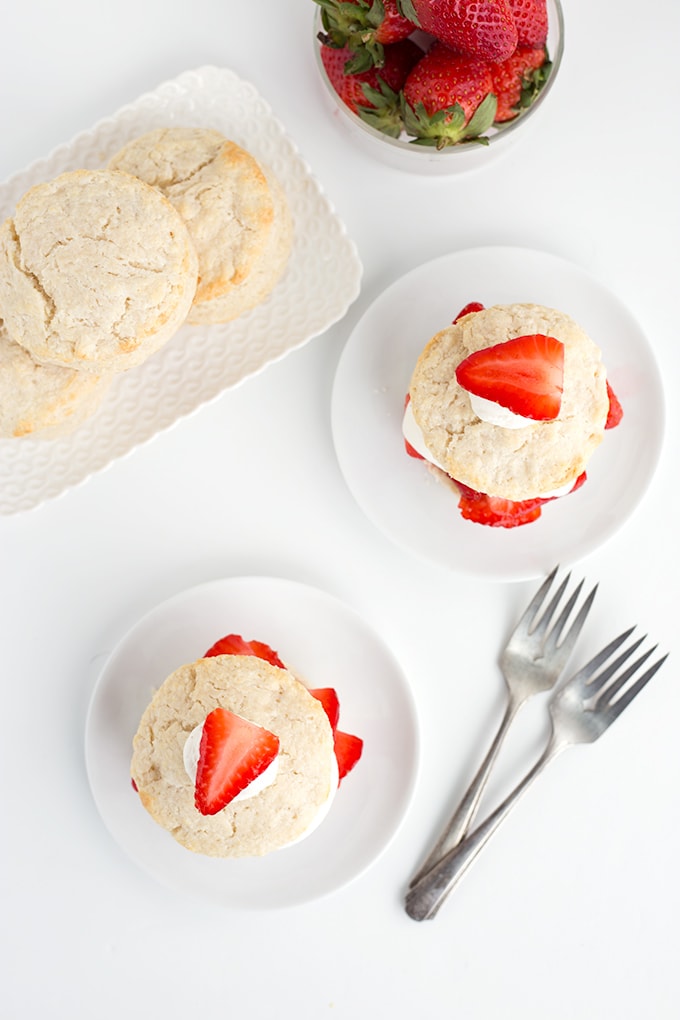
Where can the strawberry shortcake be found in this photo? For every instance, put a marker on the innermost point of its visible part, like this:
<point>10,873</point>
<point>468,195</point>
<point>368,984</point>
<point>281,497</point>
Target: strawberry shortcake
<point>508,404</point>
<point>236,757</point>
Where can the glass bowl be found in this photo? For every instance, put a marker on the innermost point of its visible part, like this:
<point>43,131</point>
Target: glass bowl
<point>402,154</point>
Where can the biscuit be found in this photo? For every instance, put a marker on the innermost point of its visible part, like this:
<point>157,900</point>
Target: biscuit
<point>97,271</point>
<point>235,209</point>
<point>516,464</point>
<point>43,400</point>
<point>266,695</point>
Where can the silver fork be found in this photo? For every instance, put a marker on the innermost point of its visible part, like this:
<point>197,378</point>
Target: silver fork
<point>581,710</point>
<point>531,662</point>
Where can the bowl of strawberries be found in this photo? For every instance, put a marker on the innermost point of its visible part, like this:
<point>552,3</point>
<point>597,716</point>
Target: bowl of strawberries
<point>437,86</point>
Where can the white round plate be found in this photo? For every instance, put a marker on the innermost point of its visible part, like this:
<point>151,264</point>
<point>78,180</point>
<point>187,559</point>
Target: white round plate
<point>328,645</point>
<point>403,499</point>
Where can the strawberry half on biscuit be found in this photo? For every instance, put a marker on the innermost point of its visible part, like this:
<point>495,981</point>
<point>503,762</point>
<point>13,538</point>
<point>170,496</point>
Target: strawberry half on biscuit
<point>507,405</point>
<point>233,753</point>
<point>235,757</point>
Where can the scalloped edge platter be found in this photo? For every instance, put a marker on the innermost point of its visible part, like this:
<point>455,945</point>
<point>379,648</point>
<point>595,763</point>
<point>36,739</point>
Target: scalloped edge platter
<point>322,279</point>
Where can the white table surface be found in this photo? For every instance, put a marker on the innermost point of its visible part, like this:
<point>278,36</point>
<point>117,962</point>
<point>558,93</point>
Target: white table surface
<point>572,910</point>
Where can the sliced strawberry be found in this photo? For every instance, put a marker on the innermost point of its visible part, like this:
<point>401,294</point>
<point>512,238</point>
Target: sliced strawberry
<point>331,703</point>
<point>234,644</point>
<point>473,306</point>
<point>525,374</point>
<point>577,484</point>
<point>233,752</point>
<point>615,413</point>
<point>496,512</point>
<point>348,749</point>
<point>411,450</point>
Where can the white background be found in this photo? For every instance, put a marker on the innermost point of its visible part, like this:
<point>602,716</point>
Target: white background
<point>572,910</point>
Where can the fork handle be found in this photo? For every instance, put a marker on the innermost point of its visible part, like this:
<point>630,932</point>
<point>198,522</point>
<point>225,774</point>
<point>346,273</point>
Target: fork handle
<point>427,895</point>
<point>459,823</point>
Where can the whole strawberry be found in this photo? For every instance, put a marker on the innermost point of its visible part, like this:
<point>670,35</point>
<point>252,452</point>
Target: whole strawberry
<point>531,21</point>
<point>479,28</point>
<point>518,80</point>
<point>373,94</point>
<point>365,26</point>
<point>448,98</point>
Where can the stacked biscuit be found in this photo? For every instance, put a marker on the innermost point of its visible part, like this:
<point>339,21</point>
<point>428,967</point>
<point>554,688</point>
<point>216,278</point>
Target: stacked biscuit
<point>269,696</point>
<point>513,464</point>
<point>99,268</point>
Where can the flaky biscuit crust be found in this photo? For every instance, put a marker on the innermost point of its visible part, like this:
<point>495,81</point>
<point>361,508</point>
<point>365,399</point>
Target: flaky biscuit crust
<point>43,400</point>
<point>514,464</point>
<point>97,271</point>
<point>264,694</point>
<point>234,208</point>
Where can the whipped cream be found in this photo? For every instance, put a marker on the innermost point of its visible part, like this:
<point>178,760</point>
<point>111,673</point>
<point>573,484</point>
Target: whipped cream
<point>495,414</point>
<point>192,748</point>
<point>413,434</point>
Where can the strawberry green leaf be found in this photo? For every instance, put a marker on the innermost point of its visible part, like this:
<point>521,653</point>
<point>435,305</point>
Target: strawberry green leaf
<point>482,118</point>
<point>408,10</point>
<point>361,61</point>
<point>384,112</point>
<point>446,126</point>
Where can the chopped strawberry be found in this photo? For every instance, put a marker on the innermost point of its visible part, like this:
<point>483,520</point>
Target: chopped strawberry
<point>234,644</point>
<point>615,413</point>
<point>331,703</point>
<point>577,484</point>
<point>525,375</point>
<point>233,752</point>
<point>497,512</point>
<point>348,750</point>
<point>411,450</point>
<point>473,306</point>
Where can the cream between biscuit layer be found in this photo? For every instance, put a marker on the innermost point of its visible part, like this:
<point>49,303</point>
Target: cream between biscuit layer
<point>413,434</point>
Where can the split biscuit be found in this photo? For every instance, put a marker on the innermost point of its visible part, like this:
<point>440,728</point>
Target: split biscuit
<point>46,401</point>
<point>266,695</point>
<point>235,209</point>
<point>97,271</point>
<point>515,464</point>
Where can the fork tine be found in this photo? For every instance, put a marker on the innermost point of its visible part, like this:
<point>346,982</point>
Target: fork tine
<point>608,693</point>
<point>591,667</point>
<point>566,645</point>
<point>532,610</point>
<point>541,627</point>
<point>618,706</point>
<point>596,683</point>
